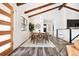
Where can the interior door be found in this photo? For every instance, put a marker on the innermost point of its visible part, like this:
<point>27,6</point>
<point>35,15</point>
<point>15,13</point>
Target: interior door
<point>6,29</point>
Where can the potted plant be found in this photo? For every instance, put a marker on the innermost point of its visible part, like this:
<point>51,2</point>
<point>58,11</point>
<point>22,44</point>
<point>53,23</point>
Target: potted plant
<point>31,27</point>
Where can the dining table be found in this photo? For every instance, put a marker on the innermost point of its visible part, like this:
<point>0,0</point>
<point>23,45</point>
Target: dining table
<point>39,37</point>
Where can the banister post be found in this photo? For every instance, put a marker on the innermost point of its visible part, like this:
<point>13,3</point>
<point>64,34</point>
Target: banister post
<point>70,35</point>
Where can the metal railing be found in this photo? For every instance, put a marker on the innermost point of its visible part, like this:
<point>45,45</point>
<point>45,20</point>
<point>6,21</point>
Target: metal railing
<point>75,37</point>
<point>70,35</point>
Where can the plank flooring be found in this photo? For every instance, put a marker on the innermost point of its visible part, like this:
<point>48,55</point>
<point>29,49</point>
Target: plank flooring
<point>60,45</point>
<point>58,50</point>
<point>35,51</point>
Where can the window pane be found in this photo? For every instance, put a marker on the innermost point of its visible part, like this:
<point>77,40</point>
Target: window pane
<point>5,47</point>
<point>5,28</point>
<point>4,37</point>
<point>3,7</point>
<point>4,18</point>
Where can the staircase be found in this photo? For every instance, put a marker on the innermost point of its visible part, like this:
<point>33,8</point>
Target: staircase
<point>73,49</point>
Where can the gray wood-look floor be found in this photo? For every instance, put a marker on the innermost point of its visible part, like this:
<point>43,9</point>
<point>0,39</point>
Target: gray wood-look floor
<point>35,51</point>
<point>60,45</point>
<point>59,50</point>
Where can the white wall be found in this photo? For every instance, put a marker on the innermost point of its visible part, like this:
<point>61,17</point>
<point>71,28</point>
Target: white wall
<point>19,36</point>
<point>37,20</point>
<point>41,19</point>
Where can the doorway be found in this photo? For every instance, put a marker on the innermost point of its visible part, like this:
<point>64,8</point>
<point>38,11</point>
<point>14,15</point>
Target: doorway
<point>45,28</point>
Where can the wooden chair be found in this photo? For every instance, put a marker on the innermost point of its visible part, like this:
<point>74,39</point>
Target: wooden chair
<point>39,38</point>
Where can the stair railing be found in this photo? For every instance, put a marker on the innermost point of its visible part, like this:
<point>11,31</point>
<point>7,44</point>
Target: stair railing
<point>70,34</point>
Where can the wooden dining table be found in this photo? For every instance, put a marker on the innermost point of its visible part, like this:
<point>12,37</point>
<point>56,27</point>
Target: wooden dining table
<point>39,38</point>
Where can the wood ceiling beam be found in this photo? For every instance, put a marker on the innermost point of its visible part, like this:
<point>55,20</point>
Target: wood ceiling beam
<point>62,6</point>
<point>19,4</point>
<point>72,8</point>
<point>44,11</point>
<point>39,7</point>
